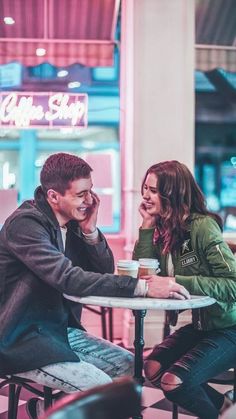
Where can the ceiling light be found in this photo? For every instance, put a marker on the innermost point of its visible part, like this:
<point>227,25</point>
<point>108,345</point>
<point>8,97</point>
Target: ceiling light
<point>8,20</point>
<point>74,84</point>
<point>62,73</point>
<point>40,52</point>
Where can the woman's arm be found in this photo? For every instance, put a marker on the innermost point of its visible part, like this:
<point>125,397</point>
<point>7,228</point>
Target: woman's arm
<point>221,283</point>
<point>144,247</point>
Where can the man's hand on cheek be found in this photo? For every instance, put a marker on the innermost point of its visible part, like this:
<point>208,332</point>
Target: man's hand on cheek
<point>89,224</point>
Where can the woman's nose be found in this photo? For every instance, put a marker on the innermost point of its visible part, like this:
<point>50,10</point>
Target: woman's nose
<point>146,194</point>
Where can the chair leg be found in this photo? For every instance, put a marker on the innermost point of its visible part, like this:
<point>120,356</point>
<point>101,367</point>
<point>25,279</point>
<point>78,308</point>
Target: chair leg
<point>104,323</point>
<point>16,401</point>
<point>175,411</point>
<point>110,314</point>
<point>166,327</point>
<point>234,388</point>
<point>11,402</point>
<point>47,397</point>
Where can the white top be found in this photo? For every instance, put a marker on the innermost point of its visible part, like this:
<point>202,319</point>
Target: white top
<point>196,301</point>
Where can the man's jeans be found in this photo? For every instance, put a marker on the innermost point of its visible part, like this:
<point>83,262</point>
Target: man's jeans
<point>196,356</point>
<point>100,362</point>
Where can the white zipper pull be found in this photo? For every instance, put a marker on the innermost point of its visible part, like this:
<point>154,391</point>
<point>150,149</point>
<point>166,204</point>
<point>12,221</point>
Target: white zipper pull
<point>219,250</point>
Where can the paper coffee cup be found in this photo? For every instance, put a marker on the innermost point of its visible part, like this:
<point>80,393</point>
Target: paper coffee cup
<point>128,267</point>
<point>148,267</point>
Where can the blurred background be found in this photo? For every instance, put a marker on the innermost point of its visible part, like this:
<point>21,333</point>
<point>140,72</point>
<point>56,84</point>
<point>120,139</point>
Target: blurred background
<point>160,77</point>
<point>81,50</point>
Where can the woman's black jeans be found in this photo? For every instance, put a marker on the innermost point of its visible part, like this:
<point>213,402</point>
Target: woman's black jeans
<point>196,356</point>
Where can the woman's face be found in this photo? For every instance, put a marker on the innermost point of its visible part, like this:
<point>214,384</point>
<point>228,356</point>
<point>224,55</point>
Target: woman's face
<point>151,199</point>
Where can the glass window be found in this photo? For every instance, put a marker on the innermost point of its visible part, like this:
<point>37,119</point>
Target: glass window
<point>9,169</point>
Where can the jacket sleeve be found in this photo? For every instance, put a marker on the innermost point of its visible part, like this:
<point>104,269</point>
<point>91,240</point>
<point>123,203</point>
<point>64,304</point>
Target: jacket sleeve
<point>144,247</point>
<point>221,282</point>
<point>100,256</point>
<point>30,242</point>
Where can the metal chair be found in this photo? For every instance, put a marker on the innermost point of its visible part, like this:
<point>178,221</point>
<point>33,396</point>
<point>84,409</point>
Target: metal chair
<point>15,385</point>
<point>103,312</point>
<point>226,378</point>
<point>118,400</point>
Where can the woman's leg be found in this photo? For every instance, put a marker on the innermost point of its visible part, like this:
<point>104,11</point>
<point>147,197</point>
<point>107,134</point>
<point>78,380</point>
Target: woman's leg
<point>183,383</point>
<point>169,351</point>
<point>112,359</point>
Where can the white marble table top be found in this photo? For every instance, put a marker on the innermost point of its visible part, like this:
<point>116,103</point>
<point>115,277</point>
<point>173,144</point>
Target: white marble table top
<point>136,303</point>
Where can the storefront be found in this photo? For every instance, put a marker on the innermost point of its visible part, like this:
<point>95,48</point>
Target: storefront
<point>35,125</point>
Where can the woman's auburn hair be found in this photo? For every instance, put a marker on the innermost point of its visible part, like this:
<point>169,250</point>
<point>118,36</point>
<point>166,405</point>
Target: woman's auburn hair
<point>180,197</point>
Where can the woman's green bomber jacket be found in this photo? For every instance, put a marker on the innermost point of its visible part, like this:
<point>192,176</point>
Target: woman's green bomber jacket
<point>204,265</point>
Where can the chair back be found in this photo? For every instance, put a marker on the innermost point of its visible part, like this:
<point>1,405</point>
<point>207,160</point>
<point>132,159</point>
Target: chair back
<point>118,400</point>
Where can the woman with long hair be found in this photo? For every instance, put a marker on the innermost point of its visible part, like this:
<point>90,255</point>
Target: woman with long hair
<point>187,239</point>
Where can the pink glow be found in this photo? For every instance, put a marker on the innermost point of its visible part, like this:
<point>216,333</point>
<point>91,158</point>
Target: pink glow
<point>101,164</point>
<point>126,115</point>
<point>25,110</point>
<point>105,211</point>
<point>8,200</point>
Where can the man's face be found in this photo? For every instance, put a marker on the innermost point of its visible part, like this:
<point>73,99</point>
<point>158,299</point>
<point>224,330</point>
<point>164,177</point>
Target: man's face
<point>77,202</point>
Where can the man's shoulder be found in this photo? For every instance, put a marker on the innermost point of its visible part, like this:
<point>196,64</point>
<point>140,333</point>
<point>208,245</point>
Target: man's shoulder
<point>25,214</point>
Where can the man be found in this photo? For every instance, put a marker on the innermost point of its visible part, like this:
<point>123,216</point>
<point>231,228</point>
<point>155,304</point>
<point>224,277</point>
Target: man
<point>51,246</point>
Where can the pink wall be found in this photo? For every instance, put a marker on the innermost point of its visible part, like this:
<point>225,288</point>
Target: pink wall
<point>8,203</point>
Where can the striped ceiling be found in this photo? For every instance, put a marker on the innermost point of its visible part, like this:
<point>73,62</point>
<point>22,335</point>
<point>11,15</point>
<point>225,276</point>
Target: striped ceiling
<point>71,31</point>
<point>215,34</point>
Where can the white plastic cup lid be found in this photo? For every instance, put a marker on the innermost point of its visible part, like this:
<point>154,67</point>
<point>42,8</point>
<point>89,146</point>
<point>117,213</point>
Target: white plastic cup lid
<point>127,264</point>
<point>150,263</point>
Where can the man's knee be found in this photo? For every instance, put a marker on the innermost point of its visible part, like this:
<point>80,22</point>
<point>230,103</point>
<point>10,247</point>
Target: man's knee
<point>128,365</point>
<point>152,370</point>
<point>170,381</point>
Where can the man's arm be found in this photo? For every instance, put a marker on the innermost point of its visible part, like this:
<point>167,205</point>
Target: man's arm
<point>100,255</point>
<point>29,241</point>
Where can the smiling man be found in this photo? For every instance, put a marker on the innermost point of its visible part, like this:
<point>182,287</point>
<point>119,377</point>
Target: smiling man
<point>51,246</point>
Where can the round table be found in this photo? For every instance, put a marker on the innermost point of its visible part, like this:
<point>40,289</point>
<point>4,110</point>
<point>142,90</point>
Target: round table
<point>139,307</point>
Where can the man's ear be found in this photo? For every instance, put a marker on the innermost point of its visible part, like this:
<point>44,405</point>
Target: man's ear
<point>53,196</point>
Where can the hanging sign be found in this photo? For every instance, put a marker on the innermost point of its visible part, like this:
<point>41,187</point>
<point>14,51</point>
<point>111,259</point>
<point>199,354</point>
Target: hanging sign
<point>49,110</point>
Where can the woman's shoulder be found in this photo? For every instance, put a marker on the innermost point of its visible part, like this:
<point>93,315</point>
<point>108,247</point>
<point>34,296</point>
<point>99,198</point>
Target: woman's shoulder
<point>204,223</point>
<point>199,219</point>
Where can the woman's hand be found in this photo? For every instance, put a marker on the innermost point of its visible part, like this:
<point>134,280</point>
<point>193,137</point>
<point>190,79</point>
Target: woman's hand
<point>149,220</point>
<point>165,287</point>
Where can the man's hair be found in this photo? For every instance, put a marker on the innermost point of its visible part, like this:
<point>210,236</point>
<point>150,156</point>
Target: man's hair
<point>60,169</point>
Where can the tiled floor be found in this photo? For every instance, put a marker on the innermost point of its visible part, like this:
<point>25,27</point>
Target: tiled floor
<point>155,406</point>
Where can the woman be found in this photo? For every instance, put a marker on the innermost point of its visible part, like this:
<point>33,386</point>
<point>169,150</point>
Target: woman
<point>187,239</point>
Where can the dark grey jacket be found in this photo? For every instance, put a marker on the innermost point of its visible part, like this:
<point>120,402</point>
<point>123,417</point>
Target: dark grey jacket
<point>34,273</point>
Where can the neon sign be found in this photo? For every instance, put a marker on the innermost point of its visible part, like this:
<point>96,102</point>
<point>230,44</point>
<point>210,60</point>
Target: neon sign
<point>26,110</point>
